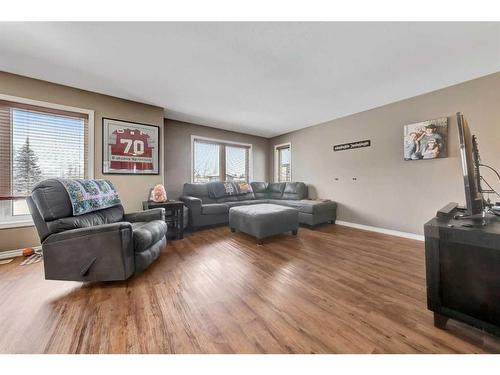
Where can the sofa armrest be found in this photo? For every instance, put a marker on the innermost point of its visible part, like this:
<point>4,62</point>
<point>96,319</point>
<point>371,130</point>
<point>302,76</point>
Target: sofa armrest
<point>194,206</point>
<point>147,215</point>
<point>193,203</point>
<point>98,253</point>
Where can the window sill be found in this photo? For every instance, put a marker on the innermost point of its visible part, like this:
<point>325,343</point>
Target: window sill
<point>16,224</point>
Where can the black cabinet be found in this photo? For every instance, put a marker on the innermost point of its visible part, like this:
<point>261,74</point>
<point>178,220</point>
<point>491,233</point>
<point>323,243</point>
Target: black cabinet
<point>463,271</point>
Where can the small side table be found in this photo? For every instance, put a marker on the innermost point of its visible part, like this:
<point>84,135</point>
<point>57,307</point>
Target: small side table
<point>174,215</point>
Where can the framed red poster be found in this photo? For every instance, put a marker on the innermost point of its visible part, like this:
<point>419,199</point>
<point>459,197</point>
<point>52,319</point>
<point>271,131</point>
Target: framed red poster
<point>130,147</point>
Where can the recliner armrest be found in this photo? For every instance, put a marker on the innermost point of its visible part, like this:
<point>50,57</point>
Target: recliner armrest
<point>147,215</point>
<point>89,231</point>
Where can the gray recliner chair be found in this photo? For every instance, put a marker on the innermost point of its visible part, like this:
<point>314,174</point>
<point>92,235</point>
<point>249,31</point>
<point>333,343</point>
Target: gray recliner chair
<point>102,245</point>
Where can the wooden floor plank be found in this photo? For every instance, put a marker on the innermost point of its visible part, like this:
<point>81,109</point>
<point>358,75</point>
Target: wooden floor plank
<point>329,290</point>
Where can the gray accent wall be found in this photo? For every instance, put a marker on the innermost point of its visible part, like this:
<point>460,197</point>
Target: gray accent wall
<point>389,192</point>
<point>178,152</point>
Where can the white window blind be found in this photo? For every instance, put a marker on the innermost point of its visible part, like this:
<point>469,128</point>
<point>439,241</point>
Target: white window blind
<point>284,163</point>
<point>236,163</point>
<point>206,162</point>
<point>219,161</point>
<point>35,144</point>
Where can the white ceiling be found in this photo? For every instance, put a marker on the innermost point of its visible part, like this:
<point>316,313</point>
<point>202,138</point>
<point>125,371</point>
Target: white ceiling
<point>258,78</point>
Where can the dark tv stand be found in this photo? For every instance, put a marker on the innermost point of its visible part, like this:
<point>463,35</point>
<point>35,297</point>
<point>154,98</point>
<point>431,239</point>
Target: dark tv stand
<point>463,269</point>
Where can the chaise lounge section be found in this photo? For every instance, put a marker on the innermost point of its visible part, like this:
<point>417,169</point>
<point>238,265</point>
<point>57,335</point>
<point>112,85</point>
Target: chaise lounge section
<point>209,203</point>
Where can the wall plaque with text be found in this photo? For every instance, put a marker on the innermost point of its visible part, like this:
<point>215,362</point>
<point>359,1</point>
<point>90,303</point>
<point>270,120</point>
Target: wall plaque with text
<point>352,145</point>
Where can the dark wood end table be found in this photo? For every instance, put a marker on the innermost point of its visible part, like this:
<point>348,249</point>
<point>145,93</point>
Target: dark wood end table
<point>174,215</point>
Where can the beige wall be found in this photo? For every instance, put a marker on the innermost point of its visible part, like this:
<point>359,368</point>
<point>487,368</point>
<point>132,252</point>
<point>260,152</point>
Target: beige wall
<point>389,192</point>
<point>178,152</point>
<point>132,189</point>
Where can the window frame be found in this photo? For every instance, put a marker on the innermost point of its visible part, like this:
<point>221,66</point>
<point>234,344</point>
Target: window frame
<point>222,157</point>
<point>277,149</point>
<point>28,222</point>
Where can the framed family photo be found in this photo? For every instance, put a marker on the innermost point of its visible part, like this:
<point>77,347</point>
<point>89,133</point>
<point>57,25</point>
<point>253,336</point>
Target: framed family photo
<point>426,140</point>
<point>130,148</point>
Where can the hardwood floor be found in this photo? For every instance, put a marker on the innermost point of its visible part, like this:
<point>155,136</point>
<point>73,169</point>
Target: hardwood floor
<point>330,290</point>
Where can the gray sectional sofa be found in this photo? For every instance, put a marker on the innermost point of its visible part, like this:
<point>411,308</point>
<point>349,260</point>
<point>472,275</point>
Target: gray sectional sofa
<point>209,203</point>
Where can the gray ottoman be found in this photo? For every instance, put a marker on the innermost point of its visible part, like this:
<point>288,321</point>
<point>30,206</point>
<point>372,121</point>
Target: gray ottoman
<point>263,220</point>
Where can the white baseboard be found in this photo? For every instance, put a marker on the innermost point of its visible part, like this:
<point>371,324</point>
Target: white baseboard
<point>412,236</point>
<point>11,254</point>
<point>14,253</point>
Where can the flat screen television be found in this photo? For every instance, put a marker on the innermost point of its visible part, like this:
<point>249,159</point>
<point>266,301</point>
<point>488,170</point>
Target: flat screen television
<point>470,167</point>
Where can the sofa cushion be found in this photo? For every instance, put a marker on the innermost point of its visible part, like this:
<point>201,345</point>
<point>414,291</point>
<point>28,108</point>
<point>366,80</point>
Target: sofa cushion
<point>195,190</point>
<point>207,200</point>
<point>259,189</point>
<point>275,189</point>
<point>246,197</point>
<point>198,191</point>
<point>295,191</point>
<point>148,233</point>
<point>230,198</point>
<point>214,209</point>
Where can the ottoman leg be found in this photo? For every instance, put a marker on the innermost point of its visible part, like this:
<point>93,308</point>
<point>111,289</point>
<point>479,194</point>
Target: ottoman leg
<point>233,230</point>
<point>295,231</point>
<point>260,241</point>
